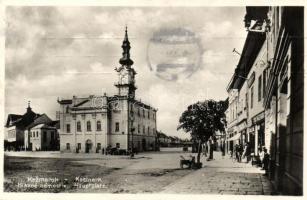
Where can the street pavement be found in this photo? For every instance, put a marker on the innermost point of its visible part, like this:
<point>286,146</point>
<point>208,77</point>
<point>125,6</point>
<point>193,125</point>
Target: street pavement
<point>223,176</point>
<point>153,172</point>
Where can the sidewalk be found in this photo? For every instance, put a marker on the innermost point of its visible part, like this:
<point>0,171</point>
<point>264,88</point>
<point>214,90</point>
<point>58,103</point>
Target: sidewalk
<point>223,176</point>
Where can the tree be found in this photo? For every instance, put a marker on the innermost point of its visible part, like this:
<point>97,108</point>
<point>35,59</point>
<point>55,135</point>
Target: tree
<point>202,120</point>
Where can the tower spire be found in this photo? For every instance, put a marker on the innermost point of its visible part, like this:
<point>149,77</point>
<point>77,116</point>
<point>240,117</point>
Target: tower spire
<point>29,107</point>
<point>125,60</point>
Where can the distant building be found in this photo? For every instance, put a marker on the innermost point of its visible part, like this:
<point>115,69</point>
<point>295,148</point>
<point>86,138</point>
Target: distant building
<point>42,135</point>
<point>93,123</point>
<point>31,132</point>
<point>15,129</point>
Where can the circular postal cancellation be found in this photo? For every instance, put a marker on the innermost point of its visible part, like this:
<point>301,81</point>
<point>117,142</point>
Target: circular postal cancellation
<point>174,53</point>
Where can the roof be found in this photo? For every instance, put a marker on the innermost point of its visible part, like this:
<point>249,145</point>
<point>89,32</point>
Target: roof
<point>43,126</point>
<point>65,101</point>
<point>42,119</point>
<point>21,121</point>
<point>55,123</point>
<point>142,104</point>
<point>252,47</point>
<point>12,118</point>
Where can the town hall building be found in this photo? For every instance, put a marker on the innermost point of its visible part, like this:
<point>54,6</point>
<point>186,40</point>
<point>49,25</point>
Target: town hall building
<point>92,124</point>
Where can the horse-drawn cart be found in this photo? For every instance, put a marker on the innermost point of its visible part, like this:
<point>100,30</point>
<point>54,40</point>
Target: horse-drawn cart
<point>188,162</point>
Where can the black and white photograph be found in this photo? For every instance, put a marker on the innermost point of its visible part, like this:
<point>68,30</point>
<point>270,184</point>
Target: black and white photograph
<point>153,99</point>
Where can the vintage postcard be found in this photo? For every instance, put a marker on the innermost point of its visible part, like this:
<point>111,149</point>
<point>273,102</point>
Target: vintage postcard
<point>153,99</point>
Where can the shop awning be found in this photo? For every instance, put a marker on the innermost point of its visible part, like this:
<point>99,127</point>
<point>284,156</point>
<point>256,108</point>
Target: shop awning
<point>235,137</point>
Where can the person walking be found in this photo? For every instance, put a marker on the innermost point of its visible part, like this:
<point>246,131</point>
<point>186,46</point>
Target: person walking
<point>210,148</point>
<point>266,160</point>
<point>205,149</point>
<point>240,151</point>
<point>237,152</point>
<point>261,156</point>
<point>223,148</point>
<point>247,152</point>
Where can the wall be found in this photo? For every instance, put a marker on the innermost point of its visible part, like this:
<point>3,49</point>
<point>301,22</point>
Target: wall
<point>35,139</point>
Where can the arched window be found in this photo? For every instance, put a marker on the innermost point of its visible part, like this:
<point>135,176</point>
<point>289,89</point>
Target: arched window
<point>98,126</point>
<point>88,126</point>
<point>79,126</point>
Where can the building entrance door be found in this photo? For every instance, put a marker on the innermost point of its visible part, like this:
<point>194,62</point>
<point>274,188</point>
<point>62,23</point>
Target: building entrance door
<point>144,144</point>
<point>88,146</point>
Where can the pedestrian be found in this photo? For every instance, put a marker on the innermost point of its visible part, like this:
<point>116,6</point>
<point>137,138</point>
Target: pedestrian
<point>266,160</point>
<point>223,148</point>
<point>239,151</point>
<point>205,149</point>
<point>210,148</point>
<point>261,156</point>
<point>247,152</point>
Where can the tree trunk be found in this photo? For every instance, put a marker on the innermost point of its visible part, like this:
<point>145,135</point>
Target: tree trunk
<point>199,151</point>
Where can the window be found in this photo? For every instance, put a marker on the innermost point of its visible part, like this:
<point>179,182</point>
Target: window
<point>98,146</point>
<point>148,130</point>
<point>98,126</point>
<point>138,128</point>
<point>264,82</point>
<point>67,146</point>
<point>36,133</point>
<point>117,127</point>
<point>67,109</point>
<point>31,134</point>
<point>52,135</point>
<point>259,88</point>
<point>44,136</point>
<point>68,128</point>
<point>252,96</point>
<point>88,126</point>
<point>117,145</point>
<point>78,126</point>
<point>79,146</point>
<point>144,129</point>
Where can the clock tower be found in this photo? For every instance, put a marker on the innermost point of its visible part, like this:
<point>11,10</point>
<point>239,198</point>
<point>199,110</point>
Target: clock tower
<point>126,74</point>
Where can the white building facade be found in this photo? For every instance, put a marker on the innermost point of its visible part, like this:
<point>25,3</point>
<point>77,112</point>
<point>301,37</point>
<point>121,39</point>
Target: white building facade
<point>93,123</point>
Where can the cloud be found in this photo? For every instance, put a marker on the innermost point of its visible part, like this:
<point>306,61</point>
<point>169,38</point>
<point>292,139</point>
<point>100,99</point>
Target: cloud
<point>64,51</point>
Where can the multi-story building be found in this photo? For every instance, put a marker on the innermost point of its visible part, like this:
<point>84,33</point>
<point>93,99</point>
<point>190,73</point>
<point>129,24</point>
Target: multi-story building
<point>284,98</point>
<point>232,134</point>
<point>42,135</point>
<point>31,132</point>
<point>270,75</point>
<point>94,123</point>
<point>15,129</point>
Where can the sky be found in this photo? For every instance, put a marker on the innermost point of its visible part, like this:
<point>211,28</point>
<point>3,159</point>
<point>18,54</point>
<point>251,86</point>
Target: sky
<point>53,52</point>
